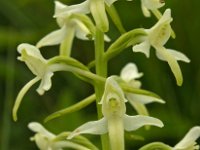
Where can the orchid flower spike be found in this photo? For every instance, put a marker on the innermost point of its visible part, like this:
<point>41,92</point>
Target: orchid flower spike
<point>157,37</point>
<point>46,140</point>
<point>188,142</point>
<point>151,5</point>
<point>38,65</point>
<point>96,7</point>
<point>130,74</point>
<point>115,120</point>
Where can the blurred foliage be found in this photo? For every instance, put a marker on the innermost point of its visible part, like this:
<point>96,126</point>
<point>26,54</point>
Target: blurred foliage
<point>27,21</point>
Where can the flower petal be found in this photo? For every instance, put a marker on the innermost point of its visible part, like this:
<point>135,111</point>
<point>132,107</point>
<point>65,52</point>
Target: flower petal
<point>53,38</point>
<point>110,2</point>
<point>143,99</point>
<point>58,8</point>
<point>92,127</point>
<point>42,142</point>
<point>45,84</point>
<point>33,59</point>
<point>30,50</point>
<point>161,31</point>
<point>166,18</point>
<point>82,8</point>
<point>143,47</point>
<point>177,55</point>
<point>175,68</point>
<point>145,11</point>
<point>20,96</point>
<point>38,128</point>
<point>130,72</point>
<point>189,139</point>
<point>106,38</point>
<point>152,4</point>
<point>140,108</point>
<point>113,99</point>
<point>98,11</point>
<point>135,122</point>
<point>82,32</point>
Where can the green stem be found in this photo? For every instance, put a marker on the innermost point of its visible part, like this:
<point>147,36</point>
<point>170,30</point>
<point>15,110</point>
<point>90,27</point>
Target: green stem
<point>84,73</point>
<point>101,70</point>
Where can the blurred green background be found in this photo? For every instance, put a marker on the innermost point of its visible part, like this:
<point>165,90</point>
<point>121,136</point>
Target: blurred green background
<point>27,21</point>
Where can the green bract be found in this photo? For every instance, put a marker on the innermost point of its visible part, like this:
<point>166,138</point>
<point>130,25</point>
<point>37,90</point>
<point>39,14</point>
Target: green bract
<point>157,37</point>
<point>125,40</point>
<point>115,120</point>
<point>156,146</point>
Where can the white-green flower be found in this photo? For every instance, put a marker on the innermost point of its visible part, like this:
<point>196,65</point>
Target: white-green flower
<point>70,25</point>
<point>151,5</point>
<point>157,37</point>
<point>130,74</point>
<point>95,7</point>
<point>46,140</point>
<point>189,141</point>
<point>115,120</point>
<point>38,65</point>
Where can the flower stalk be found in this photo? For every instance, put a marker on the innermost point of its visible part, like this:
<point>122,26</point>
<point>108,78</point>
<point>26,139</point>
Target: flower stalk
<point>101,70</point>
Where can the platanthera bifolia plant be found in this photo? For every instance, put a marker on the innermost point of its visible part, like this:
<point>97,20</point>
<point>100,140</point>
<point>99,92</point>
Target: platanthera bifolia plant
<point>89,21</point>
